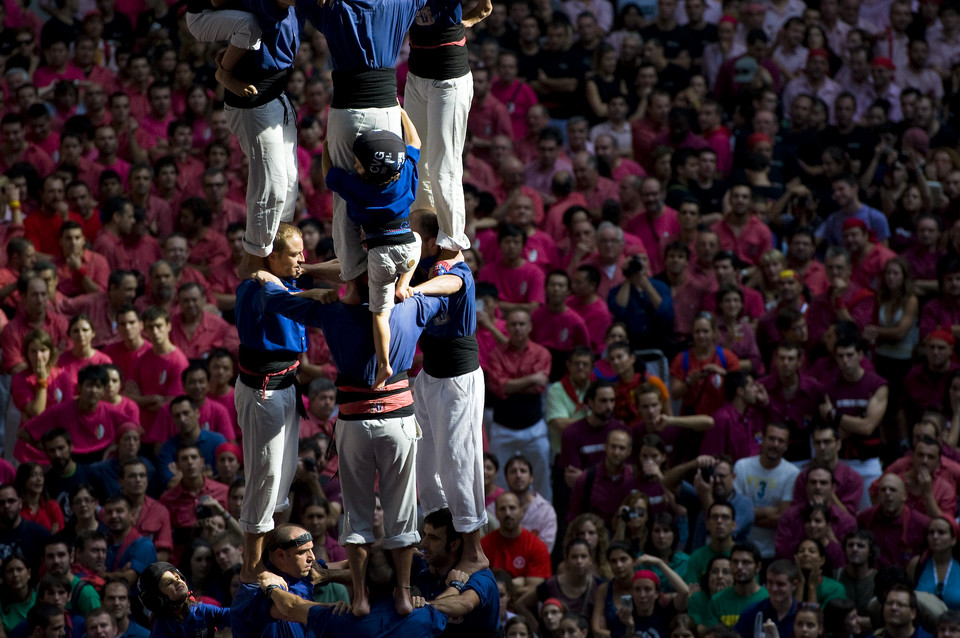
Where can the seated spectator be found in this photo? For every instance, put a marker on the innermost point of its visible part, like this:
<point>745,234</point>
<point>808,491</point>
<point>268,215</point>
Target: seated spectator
<point>697,373</point>
<point>738,424</point>
<point>181,499</point>
<point>583,441</point>
<point>926,383</point>
<point>518,551</point>
<point>84,505</point>
<point>185,415</point>
<point>556,326</point>
<point>899,612</point>
<point>40,384</point>
<point>229,463</point>
<point>116,600</point>
<point>539,516</point>
<point>610,603</point>
<point>899,530</point>
<point>644,304</point>
<point>859,573</point>
<point>928,489</point>
<point>726,268</point>
<point>17,535</point>
<point>767,479</point>
<point>818,489</point>
<point>82,353</point>
<point>213,417</point>
<point>18,596</point>
<point>780,607</point>
<point>127,351</point>
<point>149,517</point>
<point>932,569</point>
<point>721,525</point>
<point>128,553</point>
<point>195,330</point>
<point>736,328</point>
<point>726,607</point>
<point>718,576</point>
<point>631,525</point>
<point>34,313</point>
<point>651,611</point>
<point>845,194</point>
<point>661,550</point>
<point>57,558</point>
<point>520,283</point>
<point>92,422</point>
<point>601,487</point>
<point>566,398</point>
<point>814,587</point>
<point>220,364</point>
<point>38,507</point>
<point>576,585</point>
<point>629,382</point>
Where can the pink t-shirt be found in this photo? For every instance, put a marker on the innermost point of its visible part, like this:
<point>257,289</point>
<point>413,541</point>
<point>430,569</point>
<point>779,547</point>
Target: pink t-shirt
<point>559,331</point>
<point>90,432</point>
<point>127,360</point>
<point>523,284</point>
<point>158,374</point>
<point>213,417</point>
<point>72,365</point>
<point>596,316</point>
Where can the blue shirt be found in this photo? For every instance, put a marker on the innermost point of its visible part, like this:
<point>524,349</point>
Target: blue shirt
<point>831,231</point>
<point>282,28</point>
<point>362,34</point>
<point>139,555</point>
<point>641,317</point>
<point>261,328</point>
<point>748,616</point>
<point>437,15</point>
<point>373,207</point>
<point>109,472</point>
<point>207,442</point>
<point>202,621</point>
<point>460,317</point>
<point>349,329</point>
<point>482,622</point>
<point>250,612</point>
<point>382,622</point>
<point>135,631</point>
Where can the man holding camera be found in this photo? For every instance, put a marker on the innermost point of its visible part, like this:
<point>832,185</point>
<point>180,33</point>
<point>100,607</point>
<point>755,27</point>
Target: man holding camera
<point>644,304</point>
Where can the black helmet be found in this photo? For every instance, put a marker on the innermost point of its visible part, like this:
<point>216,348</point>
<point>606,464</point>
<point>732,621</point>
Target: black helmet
<point>148,586</point>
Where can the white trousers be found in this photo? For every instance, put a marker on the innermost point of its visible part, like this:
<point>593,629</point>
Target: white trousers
<point>450,455</point>
<point>343,127</point>
<point>268,137</point>
<point>534,443</point>
<point>271,431</point>
<point>439,110</point>
<point>239,27</point>
<point>387,446</point>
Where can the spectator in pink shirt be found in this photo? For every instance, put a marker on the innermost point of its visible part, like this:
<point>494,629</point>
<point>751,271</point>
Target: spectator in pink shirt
<point>212,417</point>
<point>519,282</point>
<point>82,353</point>
<point>585,301</point>
<point>740,230</point>
<point>488,116</point>
<point>34,313</point>
<point>594,188</point>
<point>108,158</point>
<point>514,93</point>
<point>194,330</point>
<point>150,518</point>
<point>156,379</point>
<point>127,351</point>
<point>655,224</point>
<point>539,172</point>
<point>57,54</point>
<point>556,326</point>
<point>207,246</point>
<point>78,269</point>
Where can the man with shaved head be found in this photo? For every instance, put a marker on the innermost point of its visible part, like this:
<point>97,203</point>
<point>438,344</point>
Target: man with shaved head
<point>900,531</point>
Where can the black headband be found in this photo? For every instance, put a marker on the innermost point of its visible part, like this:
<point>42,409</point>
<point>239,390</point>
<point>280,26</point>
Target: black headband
<point>303,539</point>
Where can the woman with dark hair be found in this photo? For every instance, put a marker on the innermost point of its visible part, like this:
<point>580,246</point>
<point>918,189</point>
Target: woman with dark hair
<point>518,627</point>
<point>817,525</point>
<point>315,518</point>
<point>697,374</point>
<point>814,587</point>
<point>575,587</point>
<point>937,570</point>
<point>808,623</point>
<point>736,331</point>
<point>83,505</point>
<point>36,505</point>
<point>40,385</point>
<point>491,466</point>
<point>662,545</point>
<point>603,83</point>
<point>611,596</point>
<point>841,619</point>
<point>652,611</point>
<point>718,577</point>
<point>631,525</point>
<point>82,353</point>
<point>592,529</point>
<point>16,595</point>
<point>200,568</point>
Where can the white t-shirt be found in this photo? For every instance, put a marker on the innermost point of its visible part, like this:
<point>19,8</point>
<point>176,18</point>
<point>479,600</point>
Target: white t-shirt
<point>765,488</point>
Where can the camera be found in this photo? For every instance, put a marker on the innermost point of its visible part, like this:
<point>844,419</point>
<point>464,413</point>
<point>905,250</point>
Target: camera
<point>309,464</point>
<point>633,266</point>
<point>629,513</point>
<point>706,473</point>
<point>204,511</point>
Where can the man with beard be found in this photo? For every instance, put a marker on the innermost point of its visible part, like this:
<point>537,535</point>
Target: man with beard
<point>128,553</point>
<point>65,473</point>
<point>725,606</point>
<point>288,555</point>
<point>57,560</point>
<point>18,536</point>
<point>582,442</point>
<point>116,600</point>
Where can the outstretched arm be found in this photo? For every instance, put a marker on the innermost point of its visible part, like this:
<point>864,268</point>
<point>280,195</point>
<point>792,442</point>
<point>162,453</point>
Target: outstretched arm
<point>410,135</point>
<point>442,285</point>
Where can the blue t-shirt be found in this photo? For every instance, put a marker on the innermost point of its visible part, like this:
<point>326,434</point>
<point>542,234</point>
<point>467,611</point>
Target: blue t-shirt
<point>349,329</point>
<point>207,443</point>
<point>262,328</point>
<point>748,617</point>
<point>139,555</point>
<point>202,621</point>
<point>281,30</point>
<point>482,622</point>
<point>250,612</point>
<point>362,34</point>
<point>831,231</point>
<point>460,318</point>
<point>135,631</point>
<point>382,212</point>
<point>382,622</point>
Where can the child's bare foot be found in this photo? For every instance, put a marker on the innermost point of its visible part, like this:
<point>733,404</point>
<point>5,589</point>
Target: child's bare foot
<point>472,566</point>
<point>351,296</point>
<point>403,292</point>
<point>403,603</point>
<point>361,605</point>
<point>234,85</point>
<point>384,372</point>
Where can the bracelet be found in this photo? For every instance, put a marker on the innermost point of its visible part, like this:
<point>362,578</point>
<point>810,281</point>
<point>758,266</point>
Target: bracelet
<point>14,203</point>
<point>459,585</point>
<point>270,588</point>
<point>43,383</point>
<point>80,272</point>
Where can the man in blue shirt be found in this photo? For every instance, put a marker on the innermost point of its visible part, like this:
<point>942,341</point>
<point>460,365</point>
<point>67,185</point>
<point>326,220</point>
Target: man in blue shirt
<point>382,619</point>
<point>471,602</point>
<point>783,578</point>
<point>288,555</point>
<point>438,94</point>
<point>128,553</point>
<point>267,397</point>
<point>186,416</point>
<point>176,613</point>
<point>375,431</point>
<point>449,400</point>
<point>846,194</point>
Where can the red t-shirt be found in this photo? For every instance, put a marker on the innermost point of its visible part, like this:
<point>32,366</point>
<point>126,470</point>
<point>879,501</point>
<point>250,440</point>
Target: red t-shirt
<point>523,556</point>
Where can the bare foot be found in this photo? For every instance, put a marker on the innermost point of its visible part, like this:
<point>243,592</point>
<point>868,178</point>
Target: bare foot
<point>473,566</point>
<point>234,85</point>
<point>361,605</point>
<point>351,296</point>
<point>251,577</point>
<point>447,254</point>
<point>402,602</point>
<point>384,372</point>
<point>249,265</point>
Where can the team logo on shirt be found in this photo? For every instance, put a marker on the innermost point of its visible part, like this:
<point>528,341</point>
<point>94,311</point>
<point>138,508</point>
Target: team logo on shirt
<point>519,562</point>
<point>424,17</point>
<point>163,377</point>
<point>100,431</point>
<point>58,393</point>
<point>523,287</point>
<point>442,320</point>
<point>564,334</point>
<point>532,255</point>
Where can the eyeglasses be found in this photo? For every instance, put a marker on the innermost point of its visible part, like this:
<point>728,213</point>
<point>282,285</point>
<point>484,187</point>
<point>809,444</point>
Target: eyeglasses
<point>215,184</point>
<point>22,42</point>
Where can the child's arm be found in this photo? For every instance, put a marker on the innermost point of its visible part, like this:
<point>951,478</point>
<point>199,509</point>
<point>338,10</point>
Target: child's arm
<point>410,135</point>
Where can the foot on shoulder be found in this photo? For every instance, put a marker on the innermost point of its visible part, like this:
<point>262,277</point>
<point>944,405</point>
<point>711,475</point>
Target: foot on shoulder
<point>234,85</point>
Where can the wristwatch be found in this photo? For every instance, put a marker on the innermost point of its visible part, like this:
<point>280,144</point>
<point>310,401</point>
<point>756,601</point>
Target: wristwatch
<point>459,585</point>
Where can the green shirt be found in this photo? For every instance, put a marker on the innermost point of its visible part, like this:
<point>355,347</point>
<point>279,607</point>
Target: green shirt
<point>12,614</point>
<point>697,607</point>
<point>726,605</point>
<point>697,565</point>
<point>678,564</point>
<point>559,405</point>
<point>87,600</point>
<point>331,593</point>
<point>828,590</point>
